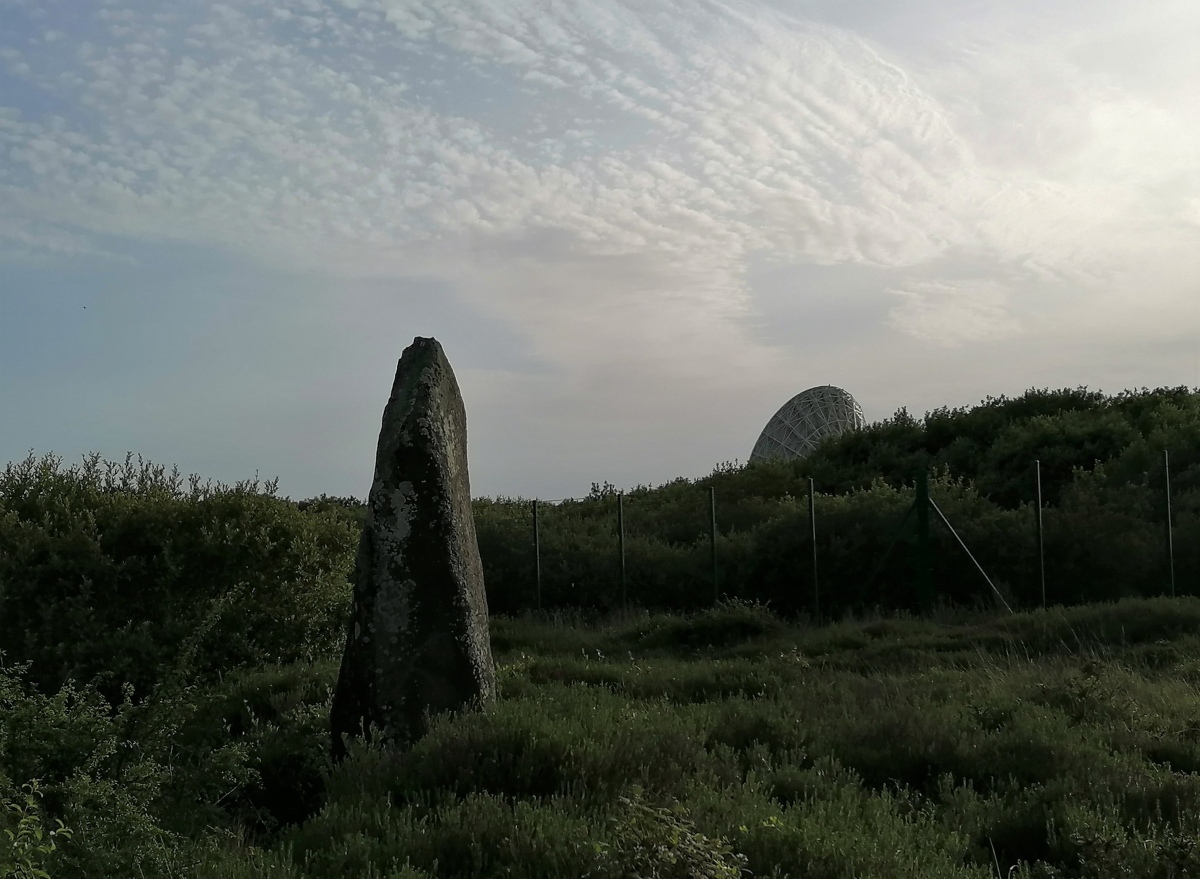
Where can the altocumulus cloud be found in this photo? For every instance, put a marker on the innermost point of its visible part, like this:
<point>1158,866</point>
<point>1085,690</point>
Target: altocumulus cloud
<point>605,175</point>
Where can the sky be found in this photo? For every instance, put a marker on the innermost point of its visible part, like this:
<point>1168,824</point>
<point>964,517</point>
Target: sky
<point>637,227</point>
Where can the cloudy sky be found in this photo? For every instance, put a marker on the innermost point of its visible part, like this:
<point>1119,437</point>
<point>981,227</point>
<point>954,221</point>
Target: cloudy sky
<point>636,226</point>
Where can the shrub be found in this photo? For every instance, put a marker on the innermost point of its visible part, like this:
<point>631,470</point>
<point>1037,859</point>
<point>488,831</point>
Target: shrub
<point>729,623</point>
<point>660,842</point>
<point>107,572</point>
<point>27,847</point>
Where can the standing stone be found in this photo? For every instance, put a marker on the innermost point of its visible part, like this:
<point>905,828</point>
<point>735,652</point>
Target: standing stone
<point>418,637</point>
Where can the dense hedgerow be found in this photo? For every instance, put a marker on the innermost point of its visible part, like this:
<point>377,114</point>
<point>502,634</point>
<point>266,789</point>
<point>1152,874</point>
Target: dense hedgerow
<point>1105,517</point>
<point>112,546</point>
<point>116,572</point>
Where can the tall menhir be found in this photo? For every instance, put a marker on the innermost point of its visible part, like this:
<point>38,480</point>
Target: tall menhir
<point>418,638</point>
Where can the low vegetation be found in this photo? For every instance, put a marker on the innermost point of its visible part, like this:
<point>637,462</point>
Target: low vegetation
<point>1050,744</point>
<point>168,650</point>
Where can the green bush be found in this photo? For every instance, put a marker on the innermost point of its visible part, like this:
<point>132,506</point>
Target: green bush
<point>27,848</point>
<point>660,842</point>
<point>98,778</point>
<point>114,573</point>
<point>728,623</point>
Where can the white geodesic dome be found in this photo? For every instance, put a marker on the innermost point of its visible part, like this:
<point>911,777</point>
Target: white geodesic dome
<point>804,420</point>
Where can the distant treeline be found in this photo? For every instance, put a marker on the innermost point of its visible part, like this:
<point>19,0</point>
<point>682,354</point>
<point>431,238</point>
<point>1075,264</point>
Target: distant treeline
<point>124,569</point>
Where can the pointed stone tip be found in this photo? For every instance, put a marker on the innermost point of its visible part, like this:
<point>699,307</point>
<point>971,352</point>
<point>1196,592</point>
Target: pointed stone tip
<point>424,349</point>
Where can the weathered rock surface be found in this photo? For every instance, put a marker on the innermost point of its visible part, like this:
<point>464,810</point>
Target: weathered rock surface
<point>418,639</point>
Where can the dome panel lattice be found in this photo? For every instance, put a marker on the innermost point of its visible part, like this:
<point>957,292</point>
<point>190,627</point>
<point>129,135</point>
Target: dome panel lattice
<point>803,421</point>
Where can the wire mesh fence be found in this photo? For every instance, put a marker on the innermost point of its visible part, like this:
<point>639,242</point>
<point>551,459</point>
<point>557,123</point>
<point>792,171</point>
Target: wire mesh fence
<point>936,541</point>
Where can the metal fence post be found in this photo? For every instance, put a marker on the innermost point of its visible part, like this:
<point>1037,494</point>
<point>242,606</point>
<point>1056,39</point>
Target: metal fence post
<point>812,521</point>
<point>537,556</point>
<point>1041,539</point>
<point>924,552</point>
<point>1170,530</point>
<point>712,540</point>
<point>621,546</point>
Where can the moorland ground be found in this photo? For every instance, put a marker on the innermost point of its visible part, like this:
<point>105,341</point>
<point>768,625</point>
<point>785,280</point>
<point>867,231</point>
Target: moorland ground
<point>1055,743</point>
